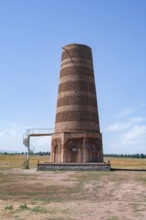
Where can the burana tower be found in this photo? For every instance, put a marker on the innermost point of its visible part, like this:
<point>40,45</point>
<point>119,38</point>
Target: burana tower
<point>77,137</point>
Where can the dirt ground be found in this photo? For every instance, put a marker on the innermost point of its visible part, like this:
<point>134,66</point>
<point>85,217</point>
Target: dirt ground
<point>72,195</point>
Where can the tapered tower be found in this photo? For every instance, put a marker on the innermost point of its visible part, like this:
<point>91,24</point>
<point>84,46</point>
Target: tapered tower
<point>77,136</point>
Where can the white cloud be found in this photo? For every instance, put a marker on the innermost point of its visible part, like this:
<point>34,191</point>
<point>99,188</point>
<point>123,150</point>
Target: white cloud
<point>132,141</point>
<point>127,111</point>
<point>113,127</point>
<point>40,143</point>
<point>135,134</point>
<point>12,133</point>
<point>118,126</point>
<point>128,134</point>
<point>11,138</point>
<point>137,119</point>
<point>3,132</point>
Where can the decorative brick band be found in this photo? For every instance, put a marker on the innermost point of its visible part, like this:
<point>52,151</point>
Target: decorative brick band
<point>77,108</point>
<point>76,78</point>
<point>76,60</point>
<point>76,116</point>
<point>77,100</point>
<point>82,71</point>
<point>84,53</point>
<point>72,65</point>
<point>75,126</point>
<point>72,92</point>
<point>77,85</point>
<point>77,138</point>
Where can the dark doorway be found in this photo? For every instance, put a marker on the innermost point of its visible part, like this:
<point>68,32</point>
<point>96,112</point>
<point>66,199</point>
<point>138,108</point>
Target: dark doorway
<point>94,157</point>
<point>94,154</point>
<point>74,155</point>
<point>57,154</point>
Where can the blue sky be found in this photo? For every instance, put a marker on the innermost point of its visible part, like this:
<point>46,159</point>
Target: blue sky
<point>32,33</point>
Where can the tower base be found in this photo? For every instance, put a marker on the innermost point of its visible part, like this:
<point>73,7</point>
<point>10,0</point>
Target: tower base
<point>73,166</point>
<point>76,147</point>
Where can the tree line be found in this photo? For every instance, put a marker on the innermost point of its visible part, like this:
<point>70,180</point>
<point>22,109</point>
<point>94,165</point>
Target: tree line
<point>40,153</point>
<point>126,155</point>
<point>47,153</point>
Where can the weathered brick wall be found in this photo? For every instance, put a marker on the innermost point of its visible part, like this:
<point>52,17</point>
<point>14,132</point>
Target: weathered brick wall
<point>77,100</point>
<point>102,167</point>
<point>76,116</point>
<point>81,71</point>
<point>77,86</point>
<point>77,50</point>
<point>77,110</point>
<point>76,91</point>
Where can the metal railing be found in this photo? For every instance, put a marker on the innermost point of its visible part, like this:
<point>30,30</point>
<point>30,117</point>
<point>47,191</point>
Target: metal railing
<point>32,132</point>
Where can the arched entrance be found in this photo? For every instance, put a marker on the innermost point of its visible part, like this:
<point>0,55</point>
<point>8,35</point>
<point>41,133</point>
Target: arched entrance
<point>57,154</point>
<point>74,154</point>
<point>91,153</point>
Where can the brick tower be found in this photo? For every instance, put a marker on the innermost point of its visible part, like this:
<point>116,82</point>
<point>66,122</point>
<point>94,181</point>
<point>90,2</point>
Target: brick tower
<point>77,137</point>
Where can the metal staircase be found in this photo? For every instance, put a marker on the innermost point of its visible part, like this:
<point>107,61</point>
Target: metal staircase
<point>35,132</point>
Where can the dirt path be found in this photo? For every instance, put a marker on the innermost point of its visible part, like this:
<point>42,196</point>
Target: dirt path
<point>72,195</point>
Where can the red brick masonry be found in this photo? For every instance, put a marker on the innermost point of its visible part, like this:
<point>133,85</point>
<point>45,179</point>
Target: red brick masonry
<point>77,137</point>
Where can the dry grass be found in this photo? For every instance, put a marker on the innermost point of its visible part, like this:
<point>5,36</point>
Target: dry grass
<point>89,195</point>
<point>127,162</point>
<point>71,195</point>
<point>16,161</point>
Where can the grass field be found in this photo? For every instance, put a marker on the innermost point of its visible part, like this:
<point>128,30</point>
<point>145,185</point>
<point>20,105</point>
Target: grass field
<point>16,161</point>
<point>71,195</point>
<point>127,162</point>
